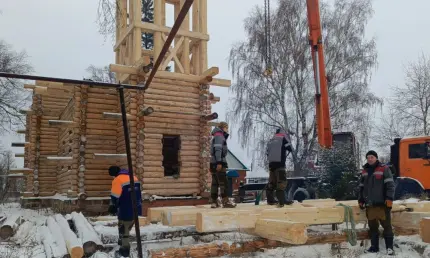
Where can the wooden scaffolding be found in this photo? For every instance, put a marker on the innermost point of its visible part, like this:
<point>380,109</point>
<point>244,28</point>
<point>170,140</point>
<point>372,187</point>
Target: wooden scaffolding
<point>74,132</point>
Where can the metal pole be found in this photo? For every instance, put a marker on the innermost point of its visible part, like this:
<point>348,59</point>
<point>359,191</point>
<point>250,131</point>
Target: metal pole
<point>69,81</point>
<point>130,170</point>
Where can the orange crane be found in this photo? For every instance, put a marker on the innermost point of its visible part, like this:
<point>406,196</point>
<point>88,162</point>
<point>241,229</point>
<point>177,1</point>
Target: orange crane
<point>323,123</point>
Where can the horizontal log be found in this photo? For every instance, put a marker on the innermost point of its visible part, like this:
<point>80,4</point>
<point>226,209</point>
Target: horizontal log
<point>167,180</point>
<point>181,132</point>
<point>194,128</point>
<point>152,93</point>
<point>171,120</point>
<point>172,192</point>
<point>170,186</point>
<point>166,103</point>
<point>243,247</point>
<point>105,101</point>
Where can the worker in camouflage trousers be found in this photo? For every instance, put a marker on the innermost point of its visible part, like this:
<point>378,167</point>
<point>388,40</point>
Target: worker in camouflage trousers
<point>218,166</point>
<point>121,205</point>
<point>376,197</point>
<point>277,156</point>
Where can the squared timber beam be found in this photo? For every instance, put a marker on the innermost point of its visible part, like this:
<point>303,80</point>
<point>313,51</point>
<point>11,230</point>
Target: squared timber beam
<point>59,158</point>
<point>213,71</point>
<point>282,230</point>
<point>61,123</point>
<point>21,170</point>
<point>19,155</point>
<point>123,37</point>
<point>21,131</point>
<point>113,116</point>
<point>151,28</point>
<point>109,156</point>
<point>20,144</point>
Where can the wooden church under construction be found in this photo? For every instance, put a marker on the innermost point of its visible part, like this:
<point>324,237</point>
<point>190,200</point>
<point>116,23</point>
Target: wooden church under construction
<point>74,132</point>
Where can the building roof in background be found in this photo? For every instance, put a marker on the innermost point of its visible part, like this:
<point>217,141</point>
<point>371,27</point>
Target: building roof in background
<point>234,163</point>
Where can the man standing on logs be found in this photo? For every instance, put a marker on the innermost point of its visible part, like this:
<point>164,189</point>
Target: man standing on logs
<point>219,166</point>
<point>376,196</point>
<point>121,205</point>
<point>277,156</point>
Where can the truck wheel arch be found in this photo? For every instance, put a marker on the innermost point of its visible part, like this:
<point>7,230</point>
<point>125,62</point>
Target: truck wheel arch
<point>407,186</point>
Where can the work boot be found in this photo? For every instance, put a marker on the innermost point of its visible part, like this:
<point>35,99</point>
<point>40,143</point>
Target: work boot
<point>389,245</point>
<point>374,244</point>
<point>215,203</point>
<point>280,194</point>
<point>122,252</point>
<point>226,203</point>
<point>270,198</point>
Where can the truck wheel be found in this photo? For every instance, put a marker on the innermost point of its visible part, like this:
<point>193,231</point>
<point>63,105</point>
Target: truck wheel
<point>407,188</point>
<point>301,194</point>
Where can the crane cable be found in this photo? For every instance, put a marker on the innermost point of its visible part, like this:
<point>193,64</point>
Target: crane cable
<point>267,38</point>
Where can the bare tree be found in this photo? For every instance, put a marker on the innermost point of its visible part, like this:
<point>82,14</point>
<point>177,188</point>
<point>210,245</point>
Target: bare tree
<point>13,97</point>
<point>100,74</point>
<point>389,127</point>
<point>286,99</point>
<point>6,163</point>
<point>106,17</point>
<point>412,102</point>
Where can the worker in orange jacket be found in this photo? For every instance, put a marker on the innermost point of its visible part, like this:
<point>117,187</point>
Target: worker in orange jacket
<point>121,205</point>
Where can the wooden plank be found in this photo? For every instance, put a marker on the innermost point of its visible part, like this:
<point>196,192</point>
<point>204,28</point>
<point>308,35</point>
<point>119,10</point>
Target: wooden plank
<point>425,229</point>
<point>282,230</point>
<point>155,214</point>
<point>408,220</point>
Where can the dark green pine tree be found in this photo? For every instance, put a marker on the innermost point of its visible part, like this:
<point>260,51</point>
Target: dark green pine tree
<point>147,16</point>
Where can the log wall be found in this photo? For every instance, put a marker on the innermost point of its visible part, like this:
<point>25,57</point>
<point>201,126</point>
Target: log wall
<point>173,96</point>
<point>101,137</point>
<point>178,109</point>
<point>64,170</point>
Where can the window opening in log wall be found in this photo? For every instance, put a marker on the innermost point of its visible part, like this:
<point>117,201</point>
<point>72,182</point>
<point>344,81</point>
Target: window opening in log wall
<point>171,147</point>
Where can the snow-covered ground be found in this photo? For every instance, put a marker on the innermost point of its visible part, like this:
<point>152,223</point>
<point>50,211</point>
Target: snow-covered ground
<point>34,234</point>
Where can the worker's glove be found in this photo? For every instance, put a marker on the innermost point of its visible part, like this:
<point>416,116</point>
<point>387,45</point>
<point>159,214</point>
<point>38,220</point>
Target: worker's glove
<point>389,204</point>
<point>218,167</point>
<point>112,210</point>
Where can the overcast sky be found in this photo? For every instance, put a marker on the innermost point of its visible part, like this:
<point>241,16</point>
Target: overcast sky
<point>62,40</point>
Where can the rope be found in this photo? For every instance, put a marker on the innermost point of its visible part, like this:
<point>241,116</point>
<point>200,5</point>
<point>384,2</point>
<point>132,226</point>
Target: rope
<point>349,218</point>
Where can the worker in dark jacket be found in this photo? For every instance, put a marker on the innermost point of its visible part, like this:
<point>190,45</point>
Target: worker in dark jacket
<point>376,196</point>
<point>218,166</point>
<point>121,205</point>
<point>277,156</point>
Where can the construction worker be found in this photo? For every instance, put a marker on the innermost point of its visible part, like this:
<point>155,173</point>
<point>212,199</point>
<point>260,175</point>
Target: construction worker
<point>218,166</point>
<point>277,156</point>
<point>121,205</point>
<point>376,197</point>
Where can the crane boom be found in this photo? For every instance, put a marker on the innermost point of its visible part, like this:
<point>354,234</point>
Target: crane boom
<point>323,123</point>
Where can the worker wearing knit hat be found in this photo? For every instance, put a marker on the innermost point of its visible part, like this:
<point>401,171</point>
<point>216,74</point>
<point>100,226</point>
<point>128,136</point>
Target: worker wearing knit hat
<point>373,153</point>
<point>376,197</point>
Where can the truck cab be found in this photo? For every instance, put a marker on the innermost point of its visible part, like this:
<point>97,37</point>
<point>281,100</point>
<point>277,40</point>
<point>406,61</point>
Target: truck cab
<point>410,158</point>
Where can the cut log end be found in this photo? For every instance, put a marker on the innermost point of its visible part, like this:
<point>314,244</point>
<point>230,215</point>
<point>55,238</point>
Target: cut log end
<point>90,248</point>
<point>6,232</point>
